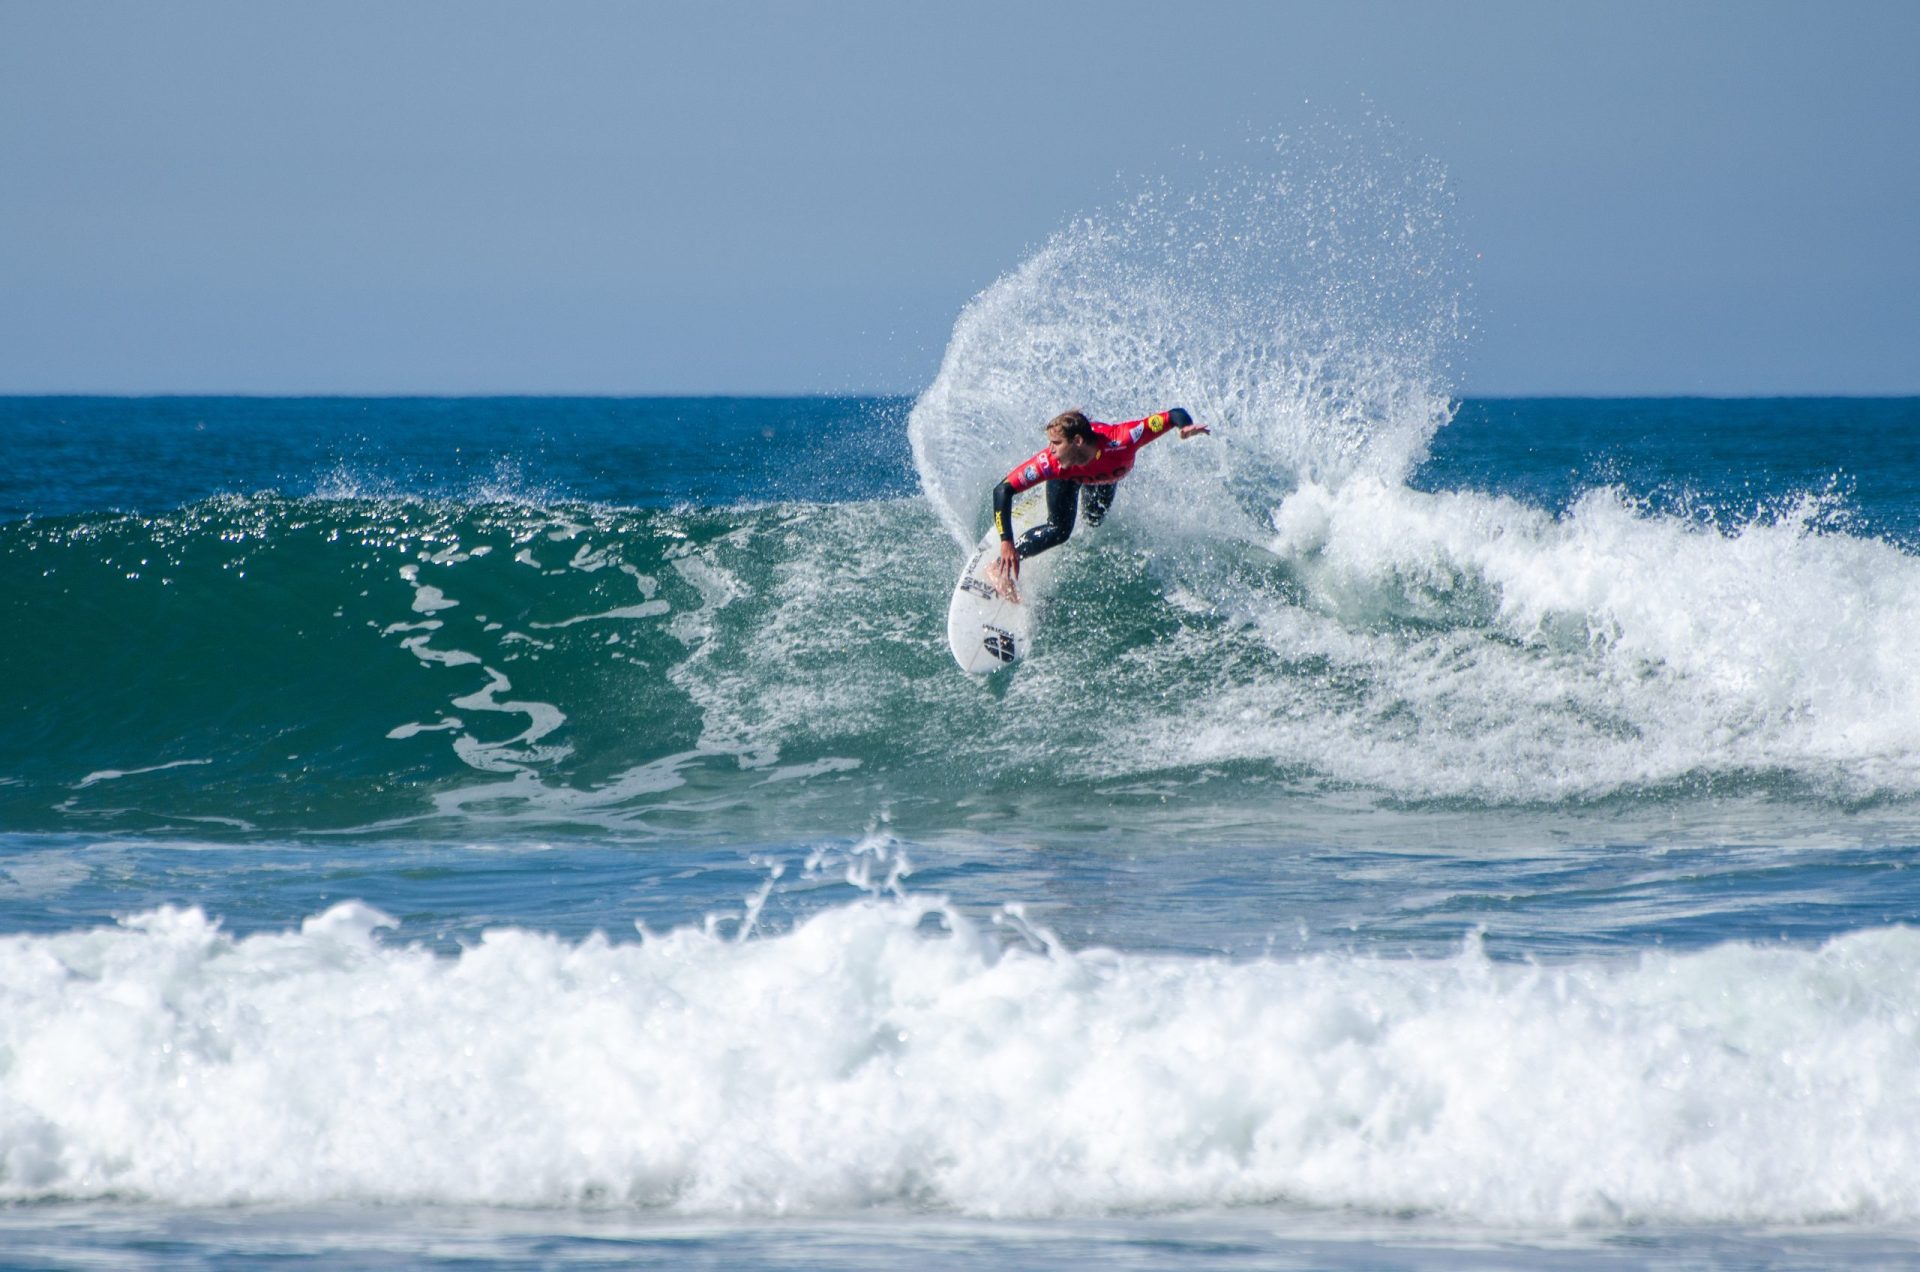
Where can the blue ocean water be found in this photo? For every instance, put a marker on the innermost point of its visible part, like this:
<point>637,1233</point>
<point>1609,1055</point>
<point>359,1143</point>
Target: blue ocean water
<point>553,831</point>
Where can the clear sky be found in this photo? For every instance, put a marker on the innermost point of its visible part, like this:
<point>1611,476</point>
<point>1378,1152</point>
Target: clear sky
<point>409,197</point>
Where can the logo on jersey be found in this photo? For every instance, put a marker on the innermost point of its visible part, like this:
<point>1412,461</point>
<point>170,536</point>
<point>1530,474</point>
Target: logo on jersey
<point>1031,473</point>
<point>1157,422</point>
<point>1138,431</point>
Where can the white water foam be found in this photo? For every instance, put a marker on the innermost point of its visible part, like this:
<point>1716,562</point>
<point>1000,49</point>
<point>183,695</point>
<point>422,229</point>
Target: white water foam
<point>892,1053</point>
<point>1578,654</point>
<point>526,751</point>
<point>114,775</point>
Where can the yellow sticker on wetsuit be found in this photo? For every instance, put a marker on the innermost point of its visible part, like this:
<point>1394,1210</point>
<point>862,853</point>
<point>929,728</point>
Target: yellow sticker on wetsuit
<point>1157,422</point>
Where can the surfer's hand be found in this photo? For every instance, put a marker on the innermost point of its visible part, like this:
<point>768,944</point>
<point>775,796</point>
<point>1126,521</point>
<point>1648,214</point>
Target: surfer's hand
<point>1193,430</point>
<point>1008,570</point>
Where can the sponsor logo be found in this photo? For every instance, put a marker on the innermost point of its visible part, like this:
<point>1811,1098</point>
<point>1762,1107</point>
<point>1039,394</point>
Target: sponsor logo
<point>1139,431</point>
<point>1157,422</point>
<point>999,643</point>
<point>1030,472</point>
<point>978,588</point>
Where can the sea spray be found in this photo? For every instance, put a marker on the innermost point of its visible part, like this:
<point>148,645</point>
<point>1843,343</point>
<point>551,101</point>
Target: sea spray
<point>1301,297</point>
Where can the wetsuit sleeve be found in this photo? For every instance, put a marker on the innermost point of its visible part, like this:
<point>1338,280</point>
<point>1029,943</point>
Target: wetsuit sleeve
<point>1030,472</point>
<point>1003,511</point>
<point>1158,423</point>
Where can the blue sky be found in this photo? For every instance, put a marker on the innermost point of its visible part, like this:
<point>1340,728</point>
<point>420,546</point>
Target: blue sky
<point>759,198</point>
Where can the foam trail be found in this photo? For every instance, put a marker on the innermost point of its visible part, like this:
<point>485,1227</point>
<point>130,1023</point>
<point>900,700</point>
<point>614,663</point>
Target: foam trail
<point>891,1052</point>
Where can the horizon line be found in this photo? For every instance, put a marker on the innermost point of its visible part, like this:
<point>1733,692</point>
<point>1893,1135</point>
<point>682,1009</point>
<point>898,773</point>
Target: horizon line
<point>869,395</point>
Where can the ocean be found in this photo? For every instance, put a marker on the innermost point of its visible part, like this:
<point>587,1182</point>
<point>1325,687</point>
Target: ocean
<point>548,831</point>
<point>1429,832</point>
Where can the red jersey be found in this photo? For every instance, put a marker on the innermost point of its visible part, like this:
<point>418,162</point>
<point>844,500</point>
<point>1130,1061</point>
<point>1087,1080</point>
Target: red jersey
<point>1120,442</point>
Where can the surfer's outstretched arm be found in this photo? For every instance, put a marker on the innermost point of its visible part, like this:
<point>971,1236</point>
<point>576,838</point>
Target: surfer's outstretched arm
<point>1156,425</point>
<point>1179,418</point>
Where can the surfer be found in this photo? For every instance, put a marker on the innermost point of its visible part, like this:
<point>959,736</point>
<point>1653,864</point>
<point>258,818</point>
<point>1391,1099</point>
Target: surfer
<point>1081,465</point>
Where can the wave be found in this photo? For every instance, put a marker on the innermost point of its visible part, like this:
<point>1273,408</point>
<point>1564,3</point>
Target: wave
<point>328,662</point>
<point>1322,616</point>
<point>263,663</point>
<point>897,1052</point>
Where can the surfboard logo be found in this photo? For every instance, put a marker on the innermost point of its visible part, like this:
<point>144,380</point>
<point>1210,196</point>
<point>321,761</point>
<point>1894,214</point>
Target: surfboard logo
<point>999,643</point>
<point>979,588</point>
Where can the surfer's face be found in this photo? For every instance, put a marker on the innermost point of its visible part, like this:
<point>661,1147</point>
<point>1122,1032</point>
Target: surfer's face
<point>1070,450</point>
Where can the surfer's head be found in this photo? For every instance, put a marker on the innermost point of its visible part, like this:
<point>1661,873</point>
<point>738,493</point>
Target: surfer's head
<point>1071,438</point>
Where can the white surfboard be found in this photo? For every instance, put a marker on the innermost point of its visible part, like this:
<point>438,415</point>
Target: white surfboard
<point>986,631</point>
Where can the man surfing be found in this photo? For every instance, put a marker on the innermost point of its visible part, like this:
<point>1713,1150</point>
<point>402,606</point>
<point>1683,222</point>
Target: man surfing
<point>1081,465</point>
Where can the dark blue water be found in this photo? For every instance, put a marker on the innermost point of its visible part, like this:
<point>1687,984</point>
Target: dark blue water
<point>1719,458</point>
<point>89,455</point>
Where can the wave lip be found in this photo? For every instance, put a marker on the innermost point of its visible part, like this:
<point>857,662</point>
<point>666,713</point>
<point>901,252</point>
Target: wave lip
<point>898,1053</point>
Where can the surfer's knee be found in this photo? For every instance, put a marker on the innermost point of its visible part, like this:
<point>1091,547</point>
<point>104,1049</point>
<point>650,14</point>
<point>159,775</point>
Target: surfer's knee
<point>1041,538</point>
